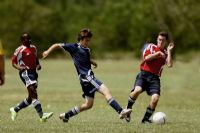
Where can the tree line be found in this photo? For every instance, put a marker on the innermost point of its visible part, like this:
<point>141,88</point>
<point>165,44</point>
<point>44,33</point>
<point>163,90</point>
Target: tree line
<point>119,26</point>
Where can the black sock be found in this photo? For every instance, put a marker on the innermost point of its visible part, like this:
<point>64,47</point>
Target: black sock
<point>38,107</point>
<point>148,113</point>
<point>131,101</point>
<point>22,105</point>
<point>115,105</point>
<point>72,112</point>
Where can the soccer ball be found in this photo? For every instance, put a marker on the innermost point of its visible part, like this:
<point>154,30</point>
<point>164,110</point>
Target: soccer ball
<point>159,118</point>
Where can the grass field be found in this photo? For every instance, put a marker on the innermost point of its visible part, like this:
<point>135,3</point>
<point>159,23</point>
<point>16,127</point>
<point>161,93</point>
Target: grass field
<point>59,90</point>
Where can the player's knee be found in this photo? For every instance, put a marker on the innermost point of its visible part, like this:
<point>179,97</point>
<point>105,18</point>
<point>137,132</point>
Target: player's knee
<point>86,106</point>
<point>29,100</point>
<point>138,89</point>
<point>89,105</point>
<point>155,98</point>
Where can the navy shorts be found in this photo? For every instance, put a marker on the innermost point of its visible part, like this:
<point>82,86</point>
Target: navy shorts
<point>28,77</point>
<point>149,83</point>
<point>89,85</point>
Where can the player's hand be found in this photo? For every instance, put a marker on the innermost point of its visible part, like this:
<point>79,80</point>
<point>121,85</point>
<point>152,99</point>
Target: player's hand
<point>161,54</point>
<point>38,67</point>
<point>44,54</point>
<point>95,64</point>
<point>21,68</point>
<point>170,46</point>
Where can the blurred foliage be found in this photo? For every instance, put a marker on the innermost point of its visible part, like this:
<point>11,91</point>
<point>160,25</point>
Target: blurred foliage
<point>118,26</point>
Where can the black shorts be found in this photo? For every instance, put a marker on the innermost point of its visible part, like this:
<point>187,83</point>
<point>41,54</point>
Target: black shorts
<point>149,83</point>
<point>28,77</point>
<point>89,85</point>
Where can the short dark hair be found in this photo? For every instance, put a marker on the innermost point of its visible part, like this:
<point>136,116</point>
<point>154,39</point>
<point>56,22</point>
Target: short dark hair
<point>165,34</point>
<point>25,36</point>
<point>84,33</point>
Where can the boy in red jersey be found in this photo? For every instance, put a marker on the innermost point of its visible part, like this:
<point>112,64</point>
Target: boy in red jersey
<point>26,61</point>
<point>154,58</point>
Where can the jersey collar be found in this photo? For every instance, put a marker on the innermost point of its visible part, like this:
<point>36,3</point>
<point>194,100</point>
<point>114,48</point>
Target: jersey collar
<point>79,45</point>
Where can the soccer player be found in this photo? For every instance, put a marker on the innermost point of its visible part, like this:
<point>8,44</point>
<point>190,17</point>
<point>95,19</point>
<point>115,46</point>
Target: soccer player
<point>2,65</point>
<point>26,61</point>
<point>154,58</point>
<point>80,54</point>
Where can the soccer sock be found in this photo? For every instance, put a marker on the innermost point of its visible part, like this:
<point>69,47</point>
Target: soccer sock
<point>148,113</point>
<point>38,107</point>
<point>72,112</point>
<point>131,101</point>
<point>113,103</point>
<point>22,105</point>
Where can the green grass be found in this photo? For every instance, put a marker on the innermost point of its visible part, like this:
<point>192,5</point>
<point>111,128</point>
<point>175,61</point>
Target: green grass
<point>59,90</point>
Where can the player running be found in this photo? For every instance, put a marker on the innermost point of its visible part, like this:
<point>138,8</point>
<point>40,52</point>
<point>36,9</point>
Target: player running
<point>80,54</point>
<point>26,61</point>
<point>154,58</point>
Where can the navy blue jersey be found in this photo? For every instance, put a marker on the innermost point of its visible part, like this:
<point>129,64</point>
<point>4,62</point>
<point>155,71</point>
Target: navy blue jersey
<point>80,56</point>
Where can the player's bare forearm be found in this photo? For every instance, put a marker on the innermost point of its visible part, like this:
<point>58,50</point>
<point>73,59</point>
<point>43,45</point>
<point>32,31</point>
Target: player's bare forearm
<point>19,67</point>
<point>51,48</point>
<point>169,61</point>
<point>154,56</point>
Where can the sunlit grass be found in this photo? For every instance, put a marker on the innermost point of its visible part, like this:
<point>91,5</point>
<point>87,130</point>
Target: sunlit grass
<point>59,90</point>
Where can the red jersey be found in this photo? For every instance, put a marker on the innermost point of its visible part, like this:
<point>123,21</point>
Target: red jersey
<point>26,56</point>
<point>154,66</point>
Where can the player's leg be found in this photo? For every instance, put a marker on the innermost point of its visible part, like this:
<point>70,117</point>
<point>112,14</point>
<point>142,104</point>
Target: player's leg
<point>25,103</point>
<point>138,87</point>
<point>112,102</point>
<point>151,108</point>
<point>77,109</point>
<point>32,89</point>
<point>24,75</point>
<point>131,100</point>
<point>14,110</point>
<point>133,96</point>
<point>154,91</point>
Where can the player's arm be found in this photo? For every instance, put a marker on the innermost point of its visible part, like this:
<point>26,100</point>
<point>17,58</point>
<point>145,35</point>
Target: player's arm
<point>50,49</point>
<point>93,63</point>
<point>154,56</point>
<point>16,66</point>
<point>169,61</point>
<point>38,66</point>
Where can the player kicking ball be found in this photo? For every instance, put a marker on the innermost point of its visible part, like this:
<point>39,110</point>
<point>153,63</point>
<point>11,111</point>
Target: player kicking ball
<point>80,54</point>
<point>26,61</point>
<point>154,58</point>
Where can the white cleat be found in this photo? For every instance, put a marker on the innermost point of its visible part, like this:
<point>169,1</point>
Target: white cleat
<point>124,113</point>
<point>46,116</point>
<point>13,114</point>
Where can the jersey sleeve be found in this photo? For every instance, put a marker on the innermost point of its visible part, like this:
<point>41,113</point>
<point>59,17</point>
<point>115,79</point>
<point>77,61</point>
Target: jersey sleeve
<point>68,47</point>
<point>150,49</point>
<point>14,57</point>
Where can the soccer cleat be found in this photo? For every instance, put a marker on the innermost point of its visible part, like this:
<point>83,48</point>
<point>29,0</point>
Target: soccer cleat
<point>124,113</point>
<point>63,118</point>
<point>128,118</point>
<point>13,114</point>
<point>46,116</point>
<point>146,121</point>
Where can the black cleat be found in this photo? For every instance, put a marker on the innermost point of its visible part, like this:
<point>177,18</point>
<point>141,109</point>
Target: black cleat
<point>146,121</point>
<point>63,118</point>
<point>128,118</point>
